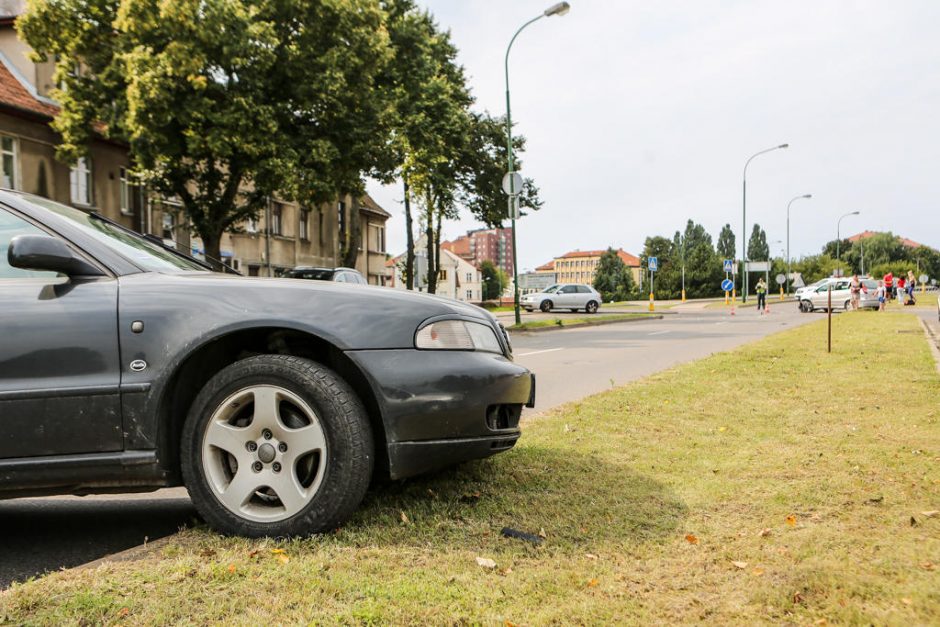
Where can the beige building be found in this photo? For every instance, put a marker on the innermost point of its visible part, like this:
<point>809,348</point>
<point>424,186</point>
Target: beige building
<point>578,266</point>
<point>284,236</point>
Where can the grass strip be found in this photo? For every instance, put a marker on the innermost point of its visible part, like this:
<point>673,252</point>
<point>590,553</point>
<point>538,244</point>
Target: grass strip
<point>582,321</point>
<point>773,483</point>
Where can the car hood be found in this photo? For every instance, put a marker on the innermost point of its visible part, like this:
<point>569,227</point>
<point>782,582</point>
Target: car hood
<point>350,316</point>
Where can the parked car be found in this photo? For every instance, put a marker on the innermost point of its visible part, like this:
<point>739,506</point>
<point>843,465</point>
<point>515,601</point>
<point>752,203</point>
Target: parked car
<point>818,298</point>
<point>811,287</point>
<point>340,275</point>
<point>573,296</point>
<point>127,366</point>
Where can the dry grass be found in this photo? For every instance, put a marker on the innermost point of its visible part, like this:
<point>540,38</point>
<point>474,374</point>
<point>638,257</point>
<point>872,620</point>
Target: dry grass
<point>775,483</point>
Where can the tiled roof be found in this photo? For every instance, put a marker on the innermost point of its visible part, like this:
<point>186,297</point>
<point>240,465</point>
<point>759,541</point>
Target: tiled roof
<point>627,258</point>
<point>14,94</point>
<point>866,234</point>
<point>369,204</point>
<point>546,267</point>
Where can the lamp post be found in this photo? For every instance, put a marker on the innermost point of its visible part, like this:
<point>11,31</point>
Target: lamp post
<point>839,238</point>
<point>795,198</point>
<point>744,219</point>
<point>556,9</point>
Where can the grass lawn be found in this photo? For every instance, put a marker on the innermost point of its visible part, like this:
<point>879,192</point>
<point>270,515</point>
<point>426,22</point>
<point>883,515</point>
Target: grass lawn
<point>567,322</point>
<point>775,483</point>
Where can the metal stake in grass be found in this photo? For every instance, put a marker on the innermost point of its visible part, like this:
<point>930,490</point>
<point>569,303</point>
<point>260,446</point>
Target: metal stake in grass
<point>829,314</point>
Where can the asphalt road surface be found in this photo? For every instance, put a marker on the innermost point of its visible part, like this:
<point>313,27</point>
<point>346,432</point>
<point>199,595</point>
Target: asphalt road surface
<point>43,534</point>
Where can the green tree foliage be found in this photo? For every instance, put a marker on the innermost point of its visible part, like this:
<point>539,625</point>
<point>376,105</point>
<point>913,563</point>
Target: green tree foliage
<point>495,280</point>
<point>223,102</point>
<point>725,246</point>
<point>666,283</point>
<point>757,248</point>
<point>703,268</point>
<point>613,279</point>
<point>815,267</point>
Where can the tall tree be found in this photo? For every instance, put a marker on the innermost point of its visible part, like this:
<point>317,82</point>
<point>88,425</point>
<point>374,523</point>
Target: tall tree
<point>757,248</point>
<point>223,102</point>
<point>667,277</point>
<point>726,243</point>
<point>703,271</point>
<point>612,278</point>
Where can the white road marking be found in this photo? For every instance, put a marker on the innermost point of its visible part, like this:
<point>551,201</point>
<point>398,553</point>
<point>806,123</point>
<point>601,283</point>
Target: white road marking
<point>547,350</point>
<point>659,332</point>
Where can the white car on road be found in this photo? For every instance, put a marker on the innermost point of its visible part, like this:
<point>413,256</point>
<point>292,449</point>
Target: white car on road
<point>573,296</point>
<point>818,297</point>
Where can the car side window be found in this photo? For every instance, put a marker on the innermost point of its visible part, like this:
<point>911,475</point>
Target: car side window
<point>340,277</point>
<point>583,289</point>
<point>10,227</point>
<point>568,289</point>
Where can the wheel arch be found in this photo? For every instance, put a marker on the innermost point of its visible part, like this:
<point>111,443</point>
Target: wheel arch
<point>208,358</point>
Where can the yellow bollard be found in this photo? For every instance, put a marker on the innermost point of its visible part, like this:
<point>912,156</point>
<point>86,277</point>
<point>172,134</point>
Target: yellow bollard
<point>781,292</point>
<point>734,295</point>
<point>651,301</point>
<point>683,296</point>
<point>726,297</point>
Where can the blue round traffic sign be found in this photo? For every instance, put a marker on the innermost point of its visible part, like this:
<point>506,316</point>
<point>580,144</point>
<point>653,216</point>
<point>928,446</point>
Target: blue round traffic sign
<point>727,285</point>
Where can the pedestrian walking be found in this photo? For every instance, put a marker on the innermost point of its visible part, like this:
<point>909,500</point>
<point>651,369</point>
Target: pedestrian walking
<point>889,285</point>
<point>855,289</point>
<point>882,295</point>
<point>911,283</point>
<point>900,290</point>
<point>761,289</point>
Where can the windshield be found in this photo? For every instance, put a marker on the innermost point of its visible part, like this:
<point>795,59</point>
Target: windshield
<point>552,289</point>
<point>144,254</point>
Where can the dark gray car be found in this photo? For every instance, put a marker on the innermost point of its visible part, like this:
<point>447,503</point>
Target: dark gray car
<point>125,366</point>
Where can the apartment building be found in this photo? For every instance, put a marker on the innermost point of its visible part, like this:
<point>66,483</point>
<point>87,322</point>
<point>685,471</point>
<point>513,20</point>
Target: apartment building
<point>477,246</point>
<point>579,266</point>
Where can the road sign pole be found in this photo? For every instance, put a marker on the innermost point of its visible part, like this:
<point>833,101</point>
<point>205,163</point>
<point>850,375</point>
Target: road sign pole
<point>652,273</point>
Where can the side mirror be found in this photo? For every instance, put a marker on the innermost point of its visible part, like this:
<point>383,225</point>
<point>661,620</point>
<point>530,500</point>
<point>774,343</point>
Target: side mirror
<point>44,252</point>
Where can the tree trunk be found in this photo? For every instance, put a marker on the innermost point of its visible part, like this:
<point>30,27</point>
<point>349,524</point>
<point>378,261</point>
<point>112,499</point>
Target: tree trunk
<point>437,247</point>
<point>431,248</point>
<point>354,235</point>
<point>410,241</point>
<point>212,247</point>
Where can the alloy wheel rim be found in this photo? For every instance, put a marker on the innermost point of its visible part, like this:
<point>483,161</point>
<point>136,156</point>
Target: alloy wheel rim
<point>264,453</point>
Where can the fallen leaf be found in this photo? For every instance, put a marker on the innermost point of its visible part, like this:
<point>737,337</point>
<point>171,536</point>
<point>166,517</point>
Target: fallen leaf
<point>506,571</point>
<point>927,566</point>
<point>797,597</point>
<point>509,623</point>
<point>758,571</point>
<point>404,517</point>
<point>740,564</point>
<point>722,429</point>
<point>593,583</point>
<point>206,553</point>
<point>877,499</point>
<point>283,558</point>
<point>253,553</point>
<point>691,539</point>
<point>231,568</point>
<point>791,520</point>
<point>124,611</point>
<point>906,601</point>
<point>821,621</point>
<point>486,562</point>
<point>542,533</point>
<point>764,533</point>
<point>278,551</point>
<point>930,514</point>
<point>590,556</point>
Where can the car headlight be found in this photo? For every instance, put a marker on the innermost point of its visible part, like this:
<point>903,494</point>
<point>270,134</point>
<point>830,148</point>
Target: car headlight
<point>457,335</point>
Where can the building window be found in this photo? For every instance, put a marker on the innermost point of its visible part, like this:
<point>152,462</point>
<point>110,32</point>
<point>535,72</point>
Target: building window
<point>80,182</point>
<point>251,225</point>
<point>277,215</point>
<point>127,192</point>
<point>169,225</point>
<point>469,277</point>
<point>469,294</point>
<point>303,229</point>
<point>377,238</point>
<point>443,275</point>
<point>8,150</point>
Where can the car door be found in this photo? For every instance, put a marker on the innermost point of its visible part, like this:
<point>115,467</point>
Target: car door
<point>584,295</point>
<point>567,296</point>
<point>59,361</point>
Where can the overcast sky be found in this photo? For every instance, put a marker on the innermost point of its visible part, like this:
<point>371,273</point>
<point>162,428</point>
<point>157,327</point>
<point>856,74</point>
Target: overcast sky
<point>640,115</point>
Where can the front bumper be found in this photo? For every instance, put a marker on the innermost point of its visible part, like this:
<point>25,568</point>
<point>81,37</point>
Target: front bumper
<point>444,407</point>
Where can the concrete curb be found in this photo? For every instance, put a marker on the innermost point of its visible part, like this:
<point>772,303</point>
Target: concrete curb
<point>129,555</point>
<point>932,340</point>
<point>555,327</point>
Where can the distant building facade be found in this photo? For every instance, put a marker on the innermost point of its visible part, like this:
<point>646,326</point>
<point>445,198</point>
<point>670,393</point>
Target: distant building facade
<point>458,278</point>
<point>493,245</point>
<point>579,266</point>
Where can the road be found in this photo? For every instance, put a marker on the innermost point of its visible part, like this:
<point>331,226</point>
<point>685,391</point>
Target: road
<point>43,534</point>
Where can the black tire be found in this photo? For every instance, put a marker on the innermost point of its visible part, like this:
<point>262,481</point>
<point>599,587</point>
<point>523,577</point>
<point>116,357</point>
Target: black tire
<point>546,306</point>
<point>848,305</point>
<point>591,307</point>
<point>349,445</point>
<point>808,306</point>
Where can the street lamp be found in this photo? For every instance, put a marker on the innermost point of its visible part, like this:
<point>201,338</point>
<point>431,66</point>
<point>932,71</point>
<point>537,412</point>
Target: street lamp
<point>556,9</point>
<point>744,220</point>
<point>788,236</point>
<point>839,239</point>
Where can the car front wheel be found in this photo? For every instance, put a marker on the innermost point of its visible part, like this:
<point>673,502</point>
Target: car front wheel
<point>276,445</point>
<point>807,306</point>
<point>546,306</point>
<point>591,307</point>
